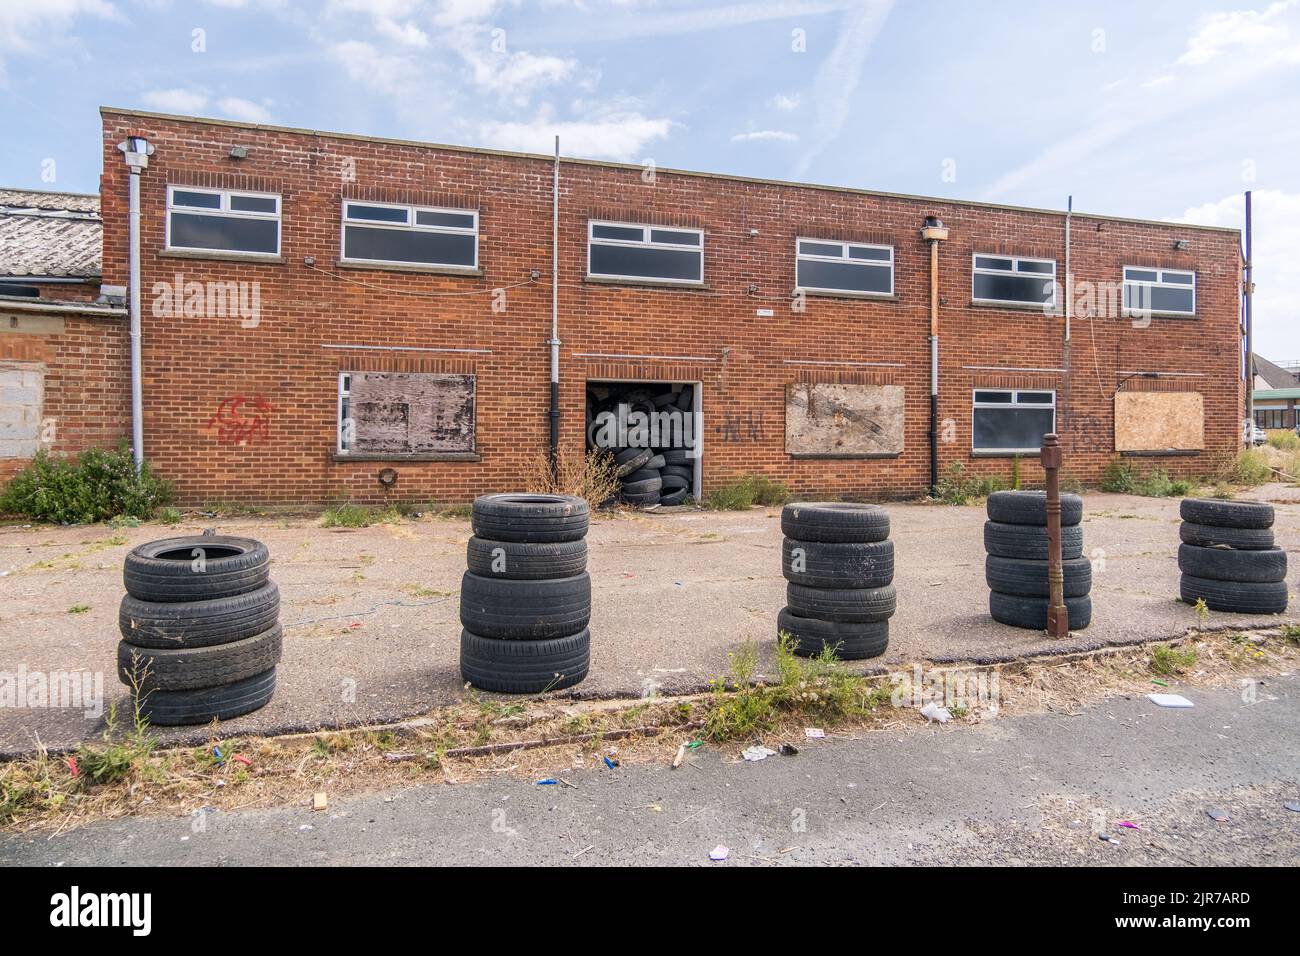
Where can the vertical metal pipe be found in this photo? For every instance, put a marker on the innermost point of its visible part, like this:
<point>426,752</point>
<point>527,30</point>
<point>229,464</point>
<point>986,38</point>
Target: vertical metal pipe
<point>1250,326</point>
<point>133,278</point>
<point>934,367</point>
<point>555,309</point>
<point>1069,305</point>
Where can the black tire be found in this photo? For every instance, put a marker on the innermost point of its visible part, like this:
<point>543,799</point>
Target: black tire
<point>849,605</point>
<point>839,564</point>
<point>655,463</point>
<point>1029,578</point>
<point>196,568</point>
<point>188,668</point>
<point>674,482</point>
<point>524,667</point>
<point>175,708</point>
<point>1243,539</point>
<point>834,521</point>
<point>1225,564</point>
<point>1031,612</point>
<point>640,489</point>
<point>674,497</point>
<point>686,398</point>
<point>1030,507</point>
<point>198,623</point>
<point>681,457</point>
<point>533,518</point>
<point>630,459</point>
<point>642,500</point>
<point>642,474</point>
<point>1226,514</point>
<point>525,561</point>
<point>1235,597</point>
<point>678,471</point>
<point>1029,542</point>
<point>850,642</point>
<point>525,610</point>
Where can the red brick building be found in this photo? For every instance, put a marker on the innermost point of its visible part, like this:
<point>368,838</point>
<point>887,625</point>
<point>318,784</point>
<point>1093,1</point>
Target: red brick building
<point>283,362</point>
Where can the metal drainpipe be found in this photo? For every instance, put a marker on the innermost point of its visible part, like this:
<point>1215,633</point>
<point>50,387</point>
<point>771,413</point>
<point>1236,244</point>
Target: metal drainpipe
<point>934,232</point>
<point>1064,424</point>
<point>1250,327</point>
<point>555,310</point>
<point>135,151</point>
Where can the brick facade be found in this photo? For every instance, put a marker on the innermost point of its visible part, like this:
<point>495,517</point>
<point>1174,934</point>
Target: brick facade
<point>235,413</point>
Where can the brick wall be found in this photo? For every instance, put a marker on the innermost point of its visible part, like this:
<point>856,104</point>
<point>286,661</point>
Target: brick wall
<point>281,375</point>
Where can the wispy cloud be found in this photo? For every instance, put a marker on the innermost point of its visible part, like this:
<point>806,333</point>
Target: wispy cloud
<point>175,100</point>
<point>660,20</point>
<point>246,110</point>
<point>1220,31</point>
<point>765,135</point>
<point>619,136</point>
<point>785,103</point>
<point>837,79</point>
<point>28,27</point>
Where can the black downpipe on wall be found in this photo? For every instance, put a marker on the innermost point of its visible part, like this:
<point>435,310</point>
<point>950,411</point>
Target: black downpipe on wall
<point>934,445</point>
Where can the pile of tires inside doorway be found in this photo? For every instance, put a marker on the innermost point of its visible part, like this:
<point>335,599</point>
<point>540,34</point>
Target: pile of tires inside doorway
<point>649,429</point>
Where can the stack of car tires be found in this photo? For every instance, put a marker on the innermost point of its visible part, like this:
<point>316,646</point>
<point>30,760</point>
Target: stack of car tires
<point>200,631</point>
<point>838,563</point>
<point>525,601</point>
<point>1015,537</point>
<point>1228,559</point>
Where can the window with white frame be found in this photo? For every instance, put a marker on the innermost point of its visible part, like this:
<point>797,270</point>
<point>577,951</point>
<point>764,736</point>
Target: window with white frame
<point>619,250</point>
<point>222,220</point>
<point>1011,420</point>
<point>1163,291</point>
<point>393,234</point>
<point>1013,280</point>
<point>826,266</point>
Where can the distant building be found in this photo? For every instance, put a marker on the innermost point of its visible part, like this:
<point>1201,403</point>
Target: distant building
<point>1277,390</point>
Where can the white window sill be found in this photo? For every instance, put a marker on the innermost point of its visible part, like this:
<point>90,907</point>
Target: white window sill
<point>427,269</point>
<point>652,283</point>
<point>846,294</point>
<point>226,255</point>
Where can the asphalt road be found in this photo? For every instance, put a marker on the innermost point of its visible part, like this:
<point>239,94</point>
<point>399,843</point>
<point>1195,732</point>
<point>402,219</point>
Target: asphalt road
<point>371,615</point>
<point>1015,790</point>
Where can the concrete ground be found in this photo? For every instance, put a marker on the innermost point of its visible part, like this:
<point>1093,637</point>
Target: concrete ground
<point>1030,790</point>
<point>370,615</point>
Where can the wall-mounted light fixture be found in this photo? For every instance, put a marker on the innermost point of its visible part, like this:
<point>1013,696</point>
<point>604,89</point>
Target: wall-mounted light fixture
<point>239,152</point>
<point>1182,245</point>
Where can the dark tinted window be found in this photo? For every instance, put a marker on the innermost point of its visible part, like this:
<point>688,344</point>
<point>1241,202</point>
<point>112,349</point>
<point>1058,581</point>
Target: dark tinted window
<point>1152,298</point>
<point>629,233</point>
<point>677,238</point>
<point>454,220</point>
<point>376,213</point>
<point>878,255</point>
<point>196,200</point>
<point>265,204</point>
<point>646,263</point>
<point>820,249</point>
<point>843,276</point>
<point>224,233</point>
<point>1011,427</point>
<point>1012,288</point>
<point>404,245</point>
<point>983,397</point>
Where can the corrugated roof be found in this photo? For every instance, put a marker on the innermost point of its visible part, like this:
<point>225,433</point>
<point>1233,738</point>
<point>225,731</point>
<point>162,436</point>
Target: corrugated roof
<point>50,234</point>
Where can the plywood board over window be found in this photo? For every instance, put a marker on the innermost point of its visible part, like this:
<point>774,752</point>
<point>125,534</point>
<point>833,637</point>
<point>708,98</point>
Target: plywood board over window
<point>411,413</point>
<point>1159,421</point>
<point>830,420</point>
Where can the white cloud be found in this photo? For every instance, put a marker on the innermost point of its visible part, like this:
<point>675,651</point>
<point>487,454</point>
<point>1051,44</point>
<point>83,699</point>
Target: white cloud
<point>391,74</point>
<point>765,135</point>
<point>1157,81</point>
<point>28,26</point>
<point>1219,31</point>
<point>453,13</point>
<point>674,21</point>
<point>393,20</point>
<point>246,110</point>
<point>1275,223</point>
<point>618,136</point>
<point>785,103</point>
<point>837,79</point>
<point>176,100</point>
<point>514,74</point>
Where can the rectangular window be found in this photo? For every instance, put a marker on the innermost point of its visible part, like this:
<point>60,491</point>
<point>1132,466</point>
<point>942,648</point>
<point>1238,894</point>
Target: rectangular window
<point>1273,416</point>
<point>822,266</point>
<point>1167,291</point>
<point>391,234</point>
<point>405,414</point>
<point>662,253</point>
<point>1013,280</point>
<point>1011,420</point>
<point>222,220</point>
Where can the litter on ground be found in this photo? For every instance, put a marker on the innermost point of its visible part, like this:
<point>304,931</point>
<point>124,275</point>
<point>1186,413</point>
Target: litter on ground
<point>757,752</point>
<point>933,711</point>
<point>1169,700</point>
<point>719,853</point>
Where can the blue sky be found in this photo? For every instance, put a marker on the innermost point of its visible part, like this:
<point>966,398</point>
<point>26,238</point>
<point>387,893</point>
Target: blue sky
<point>1164,109</point>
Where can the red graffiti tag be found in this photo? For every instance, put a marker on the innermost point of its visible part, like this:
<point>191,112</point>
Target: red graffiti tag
<point>241,420</point>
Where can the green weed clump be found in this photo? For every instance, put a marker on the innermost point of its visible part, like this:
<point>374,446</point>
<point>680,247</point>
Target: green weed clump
<point>746,492</point>
<point>97,485</point>
<point>958,488</point>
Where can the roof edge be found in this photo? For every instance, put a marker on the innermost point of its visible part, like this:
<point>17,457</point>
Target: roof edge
<point>485,151</point>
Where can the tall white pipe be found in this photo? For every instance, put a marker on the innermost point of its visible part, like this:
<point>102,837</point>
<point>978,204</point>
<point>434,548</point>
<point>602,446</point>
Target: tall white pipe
<point>137,377</point>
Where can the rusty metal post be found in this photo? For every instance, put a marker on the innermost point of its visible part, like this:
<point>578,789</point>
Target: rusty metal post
<point>1058,617</point>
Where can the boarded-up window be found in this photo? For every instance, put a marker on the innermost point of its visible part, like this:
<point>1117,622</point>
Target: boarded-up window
<point>1159,421</point>
<point>406,413</point>
<point>827,420</point>
<point>22,392</point>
